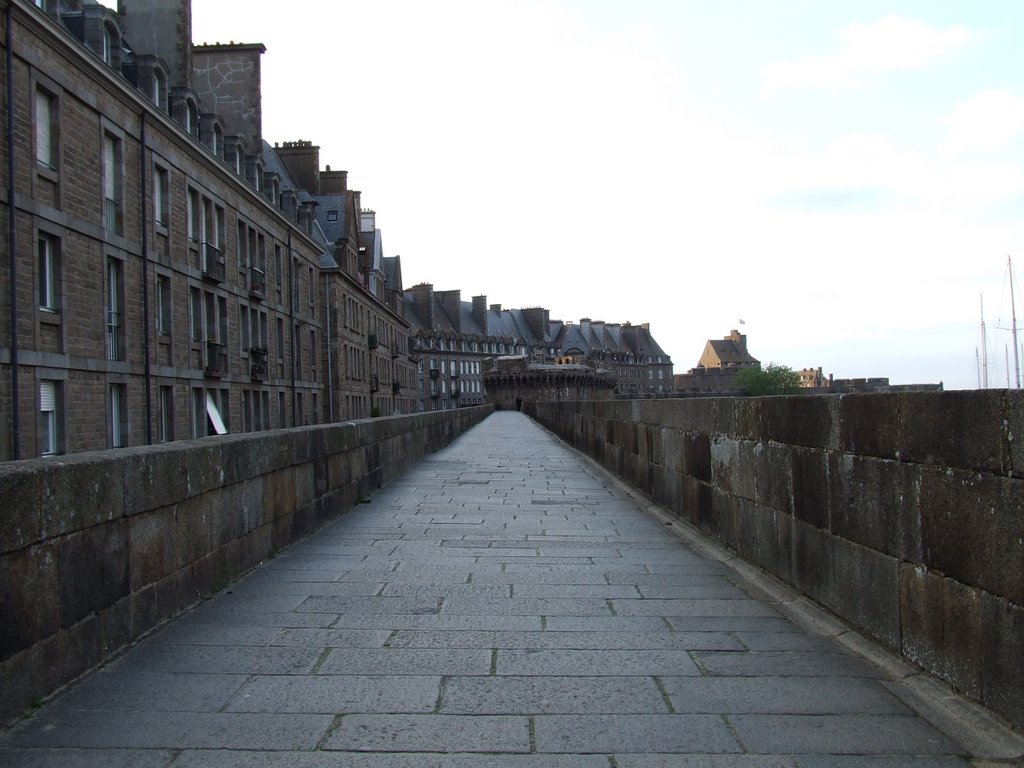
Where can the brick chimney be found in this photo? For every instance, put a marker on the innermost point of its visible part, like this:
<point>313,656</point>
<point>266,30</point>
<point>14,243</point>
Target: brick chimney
<point>452,303</point>
<point>537,320</point>
<point>423,300</point>
<point>302,159</point>
<point>480,312</point>
<point>333,182</point>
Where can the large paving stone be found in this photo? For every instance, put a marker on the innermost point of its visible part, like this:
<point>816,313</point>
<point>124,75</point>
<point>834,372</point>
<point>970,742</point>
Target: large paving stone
<point>331,695</point>
<point>841,735</point>
<point>637,733</point>
<point>780,695</point>
<point>431,733</point>
<point>551,695</point>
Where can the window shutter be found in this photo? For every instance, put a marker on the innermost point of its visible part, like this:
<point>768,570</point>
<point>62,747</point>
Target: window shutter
<point>108,167</point>
<point>44,129</point>
<point>47,397</point>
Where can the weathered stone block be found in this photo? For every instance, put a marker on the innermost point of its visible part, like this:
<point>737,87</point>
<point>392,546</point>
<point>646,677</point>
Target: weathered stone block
<point>869,425</point>
<point>154,476</point>
<point>725,415</point>
<point>29,605</point>
<point>941,627</point>
<point>240,511</point>
<point>1013,429</point>
<point>748,418</point>
<point>22,491</point>
<point>877,502</point>
<point>956,429</point>
<point>1002,662</point>
<point>696,501</point>
<point>79,492</point>
<point>811,479</point>
<point>151,546</point>
<point>766,538</point>
<point>203,469</point>
<point>811,421</point>
<point>697,455</point>
<point>193,520</point>
<point>253,455</point>
<point>973,529</point>
<point>773,476</point>
<point>867,590</point>
<point>92,570</point>
<point>731,466</point>
<point>725,516</point>
<point>812,563</point>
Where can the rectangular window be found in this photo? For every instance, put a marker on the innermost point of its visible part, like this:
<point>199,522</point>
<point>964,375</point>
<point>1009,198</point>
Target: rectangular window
<point>209,223</point>
<point>277,266</point>
<point>115,311</point>
<point>247,410</point>
<point>46,249</point>
<point>312,352</point>
<point>243,257</point>
<point>218,227</point>
<point>192,214</point>
<point>243,329</point>
<point>48,394</point>
<point>166,414</point>
<point>117,415</point>
<point>282,412</point>
<point>199,418</point>
<point>312,289</point>
<point>161,200</point>
<point>163,305</point>
<point>297,340</point>
<point>280,340</point>
<point>46,129</point>
<point>195,311</point>
<point>112,187</point>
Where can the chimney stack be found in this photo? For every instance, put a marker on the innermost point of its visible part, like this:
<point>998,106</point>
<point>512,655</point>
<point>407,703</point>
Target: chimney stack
<point>302,159</point>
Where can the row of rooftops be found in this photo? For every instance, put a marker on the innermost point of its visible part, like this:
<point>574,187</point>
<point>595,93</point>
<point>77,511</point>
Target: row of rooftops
<point>443,314</point>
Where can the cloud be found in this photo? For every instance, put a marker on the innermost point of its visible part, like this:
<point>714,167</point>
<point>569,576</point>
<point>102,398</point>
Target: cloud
<point>891,44</point>
<point>988,121</point>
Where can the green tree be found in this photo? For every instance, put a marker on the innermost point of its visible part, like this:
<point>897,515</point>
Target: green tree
<point>772,379</point>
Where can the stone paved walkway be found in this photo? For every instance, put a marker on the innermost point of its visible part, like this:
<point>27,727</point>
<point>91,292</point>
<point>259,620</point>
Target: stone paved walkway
<point>502,605</point>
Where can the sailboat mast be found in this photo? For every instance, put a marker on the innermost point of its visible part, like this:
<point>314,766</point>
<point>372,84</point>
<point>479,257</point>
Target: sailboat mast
<point>984,348</point>
<point>1013,324</point>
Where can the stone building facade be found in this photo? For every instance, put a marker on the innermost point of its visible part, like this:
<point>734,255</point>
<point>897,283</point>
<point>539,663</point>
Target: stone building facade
<point>172,275</point>
<point>168,279</point>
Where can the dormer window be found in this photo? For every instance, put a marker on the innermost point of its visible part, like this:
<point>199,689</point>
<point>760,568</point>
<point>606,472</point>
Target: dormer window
<point>110,43</point>
<point>159,86</point>
<point>218,141</point>
<point>191,117</point>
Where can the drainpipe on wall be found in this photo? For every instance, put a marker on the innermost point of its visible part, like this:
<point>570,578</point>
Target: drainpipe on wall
<point>145,283</point>
<point>330,368</point>
<point>12,239</point>
<point>291,318</point>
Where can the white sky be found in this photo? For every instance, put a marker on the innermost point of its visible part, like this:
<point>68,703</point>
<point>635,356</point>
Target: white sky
<point>847,177</point>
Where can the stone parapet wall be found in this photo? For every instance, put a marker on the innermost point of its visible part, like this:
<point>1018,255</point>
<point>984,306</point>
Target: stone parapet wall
<point>98,548</point>
<point>902,513</point>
